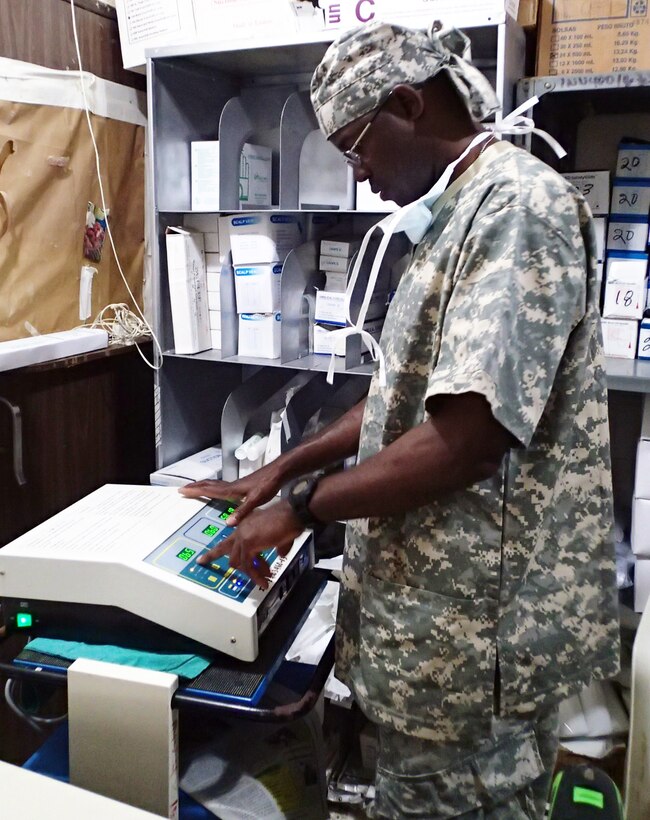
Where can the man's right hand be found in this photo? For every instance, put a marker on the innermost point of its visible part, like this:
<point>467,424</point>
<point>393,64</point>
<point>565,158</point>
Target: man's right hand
<point>253,490</point>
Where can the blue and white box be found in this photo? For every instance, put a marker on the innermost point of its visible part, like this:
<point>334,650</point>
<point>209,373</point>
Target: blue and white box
<point>258,288</point>
<point>628,234</point>
<point>625,286</point>
<point>631,197</point>
<point>262,239</point>
<point>633,160</point>
<point>643,351</point>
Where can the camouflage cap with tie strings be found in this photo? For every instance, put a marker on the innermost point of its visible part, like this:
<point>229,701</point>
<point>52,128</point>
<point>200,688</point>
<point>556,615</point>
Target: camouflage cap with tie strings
<point>361,67</point>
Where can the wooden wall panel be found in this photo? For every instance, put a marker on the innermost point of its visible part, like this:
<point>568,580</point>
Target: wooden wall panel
<point>40,31</point>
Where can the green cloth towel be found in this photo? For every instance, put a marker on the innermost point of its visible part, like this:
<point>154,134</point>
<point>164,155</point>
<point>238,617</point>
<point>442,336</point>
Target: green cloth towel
<point>185,666</point>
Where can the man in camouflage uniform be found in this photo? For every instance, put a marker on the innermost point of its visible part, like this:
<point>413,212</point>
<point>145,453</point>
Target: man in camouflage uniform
<point>478,580</point>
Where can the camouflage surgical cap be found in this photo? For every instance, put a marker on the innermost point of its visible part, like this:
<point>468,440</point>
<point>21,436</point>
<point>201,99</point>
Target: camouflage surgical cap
<point>363,65</point>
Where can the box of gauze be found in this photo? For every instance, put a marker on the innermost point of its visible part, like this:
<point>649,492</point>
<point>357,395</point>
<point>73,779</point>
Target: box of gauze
<point>188,290</point>
<point>257,288</point>
<point>259,335</point>
<point>262,238</point>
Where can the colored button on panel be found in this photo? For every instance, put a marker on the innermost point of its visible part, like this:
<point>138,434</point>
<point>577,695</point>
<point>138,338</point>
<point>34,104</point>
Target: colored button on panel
<point>24,620</point>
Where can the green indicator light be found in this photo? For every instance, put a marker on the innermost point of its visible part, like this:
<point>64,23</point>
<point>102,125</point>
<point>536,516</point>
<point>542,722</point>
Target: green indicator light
<point>23,620</point>
<point>589,797</point>
<point>227,513</point>
<point>185,554</point>
<point>211,530</point>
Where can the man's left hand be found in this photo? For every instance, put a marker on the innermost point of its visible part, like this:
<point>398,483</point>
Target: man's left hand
<point>276,526</point>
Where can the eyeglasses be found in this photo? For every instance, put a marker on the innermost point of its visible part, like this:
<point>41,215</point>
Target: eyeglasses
<point>352,156</point>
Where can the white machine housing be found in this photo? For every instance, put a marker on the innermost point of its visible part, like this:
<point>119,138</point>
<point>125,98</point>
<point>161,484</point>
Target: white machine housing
<point>95,551</point>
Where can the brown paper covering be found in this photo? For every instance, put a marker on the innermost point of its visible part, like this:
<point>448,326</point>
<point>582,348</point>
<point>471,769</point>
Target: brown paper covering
<point>47,177</point>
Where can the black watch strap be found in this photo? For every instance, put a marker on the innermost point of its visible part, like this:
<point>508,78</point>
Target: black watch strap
<point>299,496</point>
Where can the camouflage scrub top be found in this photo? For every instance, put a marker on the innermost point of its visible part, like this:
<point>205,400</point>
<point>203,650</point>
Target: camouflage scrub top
<point>512,578</point>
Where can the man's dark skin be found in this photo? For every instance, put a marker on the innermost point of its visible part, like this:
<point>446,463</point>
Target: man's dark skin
<point>413,138</point>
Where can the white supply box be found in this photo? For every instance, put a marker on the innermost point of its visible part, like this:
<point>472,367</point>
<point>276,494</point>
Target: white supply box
<point>600,229</point>
<point>625,286</point>
<point>640,537</point>
<point>594,186</point>
<point>204,158</point>
<point>188,290</point>
<point>260,335</point>
<point>620,337</point>
<point>330,307</point>
<point>255,176</point>
<point>642,472</point>
<point>257,239</point>
<point>36,349</point>
<point>643,349</point>
<point>336,282</point>
<point>339,247</point>
<point>631,197</point>
<point>337,264</point>
<point>641,584</point>
<point>326,343</point>
<point>630,235</point>
<point>633,160</point>
<point>258,288</point>
<point>201,466</point>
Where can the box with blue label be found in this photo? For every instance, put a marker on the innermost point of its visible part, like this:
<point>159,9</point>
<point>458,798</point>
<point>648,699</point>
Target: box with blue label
<point>330,307</point>
<point>594,186</point>
<point>260,335</point>
<point>633,159</point>
<point>631,197</point>
<point>262,238</point>
<point>257,288</point>
<point>625,286</point>
<point>643,351</point>
<point>629,234</point>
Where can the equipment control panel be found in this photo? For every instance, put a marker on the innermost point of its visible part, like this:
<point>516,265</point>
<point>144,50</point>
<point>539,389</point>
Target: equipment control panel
<point>179,553</point>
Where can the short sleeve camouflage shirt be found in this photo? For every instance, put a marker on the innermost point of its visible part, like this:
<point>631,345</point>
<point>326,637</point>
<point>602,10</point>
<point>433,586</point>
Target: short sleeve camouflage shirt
<point>512,578</point>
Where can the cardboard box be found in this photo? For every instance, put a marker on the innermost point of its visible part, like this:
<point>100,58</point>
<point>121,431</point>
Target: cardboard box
<point>633,159</point>
<point>258,288</point>
<point>259,239</point>
<point>629,235</point>
<point>339,264</point>
<point>201,466</point>
<point>330,307</point>
<point>640,538</point>
<point>592,38</point>
<point>260,335</point>
<point>641,584</point>
<point>620,337</point>
<point>326,343</point>
<point>188,290</point>
<point>594,186</point>
<point>642,471</point>
<point>625,287</point>
<point>338,247</point>
<point>631,197</point>
<point>643,348</point>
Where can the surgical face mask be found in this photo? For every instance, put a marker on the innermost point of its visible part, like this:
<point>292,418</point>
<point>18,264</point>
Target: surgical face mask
<point>414,220</point>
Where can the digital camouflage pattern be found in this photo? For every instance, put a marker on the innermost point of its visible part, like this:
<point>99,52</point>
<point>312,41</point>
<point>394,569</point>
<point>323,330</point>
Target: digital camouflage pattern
<point>359,70</point>
<point>505,776</point>
<point>513,577</point>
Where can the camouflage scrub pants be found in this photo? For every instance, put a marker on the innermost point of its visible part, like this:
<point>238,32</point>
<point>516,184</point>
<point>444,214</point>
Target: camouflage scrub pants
<point>505,776</point>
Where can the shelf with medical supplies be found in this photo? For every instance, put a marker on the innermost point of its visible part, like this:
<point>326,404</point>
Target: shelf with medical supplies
<point>243,179</point>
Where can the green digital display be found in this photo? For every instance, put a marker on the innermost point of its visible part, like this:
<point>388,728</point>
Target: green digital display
<point>185,554</point>
<point>227,513</point>
<point>210,530</point>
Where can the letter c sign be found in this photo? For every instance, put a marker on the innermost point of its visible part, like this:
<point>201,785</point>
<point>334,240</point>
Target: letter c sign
<point>365,17</point>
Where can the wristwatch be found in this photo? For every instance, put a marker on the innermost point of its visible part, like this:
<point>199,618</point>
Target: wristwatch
<point>299,496</point>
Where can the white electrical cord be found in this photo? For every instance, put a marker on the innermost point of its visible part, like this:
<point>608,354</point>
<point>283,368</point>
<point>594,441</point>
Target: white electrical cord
<point>158,357</point>
<point>124,327</point>
<point>35,721</point>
